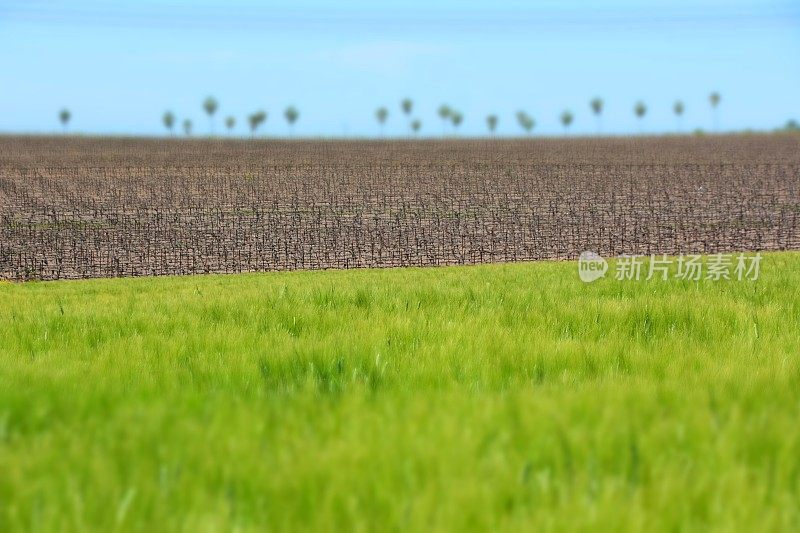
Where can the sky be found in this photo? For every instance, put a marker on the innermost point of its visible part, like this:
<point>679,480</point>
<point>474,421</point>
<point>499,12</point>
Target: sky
<point>118,66</point>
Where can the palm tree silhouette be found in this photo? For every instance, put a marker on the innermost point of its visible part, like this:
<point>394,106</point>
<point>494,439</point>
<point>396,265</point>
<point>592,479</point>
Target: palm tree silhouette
<point>381,114</point>
<point>456,118</point>
<point>444,114</point>
<point>416,125</point>
<point>714,98</point>
<point>566,120</point>
<point>597,108</point>
<point>230,123</point>
<point>210,106</point>
<point>169,121</point>
<point>491,123</point>
<point>677,108</point>
<point>407,106</point>
<point>187,127</point>
<point>255,120</point>
<point>291,114</point>
<point>640,110</point>
<point>64,115</point>
<point>525,121</point>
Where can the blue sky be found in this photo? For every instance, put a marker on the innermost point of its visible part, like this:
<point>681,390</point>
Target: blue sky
<point>119,65</point>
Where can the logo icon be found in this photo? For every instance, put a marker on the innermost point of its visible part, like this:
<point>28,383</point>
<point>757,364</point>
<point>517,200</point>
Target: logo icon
<point>591,266</point>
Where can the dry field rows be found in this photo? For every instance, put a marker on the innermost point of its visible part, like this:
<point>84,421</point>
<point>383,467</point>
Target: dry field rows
<point>88,207</point>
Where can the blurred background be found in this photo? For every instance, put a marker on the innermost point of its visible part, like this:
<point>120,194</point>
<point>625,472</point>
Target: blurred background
<point>345,67</point>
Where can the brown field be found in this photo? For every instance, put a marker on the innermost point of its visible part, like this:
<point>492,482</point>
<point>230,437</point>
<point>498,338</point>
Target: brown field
<point>91,207</point>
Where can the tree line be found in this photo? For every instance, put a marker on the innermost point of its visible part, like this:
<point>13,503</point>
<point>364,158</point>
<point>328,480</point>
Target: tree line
<point>210,106</point>
<point>451,118</point>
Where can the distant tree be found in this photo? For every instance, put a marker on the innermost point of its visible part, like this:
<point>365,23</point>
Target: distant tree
<point>525,121</point>
<point>381,114</point>
<point>491,123</point>
<point>210,107</point>
<point>255,120</point>
<point>640,110</point>
<point>444,114</point>
<point>291,114</point>
<point>714,99</point>
<point>64,115</point>
<point>407,105</point>
<point>792,125</point>
<point>456,118</point>
<point>597,108</point>
<point>416,125</point>
<point>187,127</point>
<point>678,109</point>
<point>230,123</point>
<point>522,119</point>
<point>169,121</point>
<point>566,119</point>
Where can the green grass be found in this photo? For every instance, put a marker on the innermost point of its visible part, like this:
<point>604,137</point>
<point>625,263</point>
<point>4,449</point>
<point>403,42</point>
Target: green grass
<point>505,397</point>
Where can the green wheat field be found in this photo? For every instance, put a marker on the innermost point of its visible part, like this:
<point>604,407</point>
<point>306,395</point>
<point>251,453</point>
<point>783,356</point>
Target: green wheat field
<point>501,397</point>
